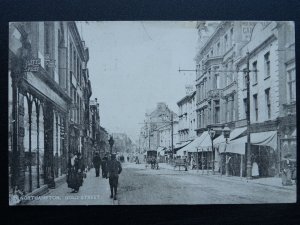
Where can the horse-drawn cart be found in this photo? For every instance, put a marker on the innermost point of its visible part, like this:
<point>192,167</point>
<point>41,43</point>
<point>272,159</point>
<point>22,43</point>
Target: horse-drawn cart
<point>151,159</point>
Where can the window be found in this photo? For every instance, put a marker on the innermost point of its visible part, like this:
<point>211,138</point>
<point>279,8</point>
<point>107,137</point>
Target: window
<point>211,53</point>
<point>245,107</point>
<point>217,81</point>
<point>232,108</point>
<point>71,57</point>
<point>217,111</point>
<point>226,110</point>
<point>74,63</point>
<point>218,48</point>
<point>245,79</point>
<point>267,64</point>
<point>254,68</point>
<point>226,74</point>
<point>268,103</point>
<point>226,42</point>
<point>292,85</point>
<point>231,36</point>
<point>255,106</point>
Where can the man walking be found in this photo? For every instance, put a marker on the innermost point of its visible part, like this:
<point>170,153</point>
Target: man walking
<point>114,169</point>
<point>97,163</point>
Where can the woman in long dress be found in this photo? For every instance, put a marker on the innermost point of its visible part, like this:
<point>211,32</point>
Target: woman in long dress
<point>74,172</point>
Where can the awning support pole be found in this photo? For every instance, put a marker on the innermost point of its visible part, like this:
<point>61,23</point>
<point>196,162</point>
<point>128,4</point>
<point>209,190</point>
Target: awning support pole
<point>241,171</point>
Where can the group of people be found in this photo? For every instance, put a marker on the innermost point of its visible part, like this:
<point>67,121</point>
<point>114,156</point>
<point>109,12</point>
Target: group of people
<point>111,168</point>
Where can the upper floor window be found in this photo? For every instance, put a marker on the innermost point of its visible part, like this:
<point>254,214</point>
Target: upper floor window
<point>291,81</point>
<point>245,79</point>
<point>268,103</point>
<point>217,111</point>
<point>231,36</point>
<point>217,81</point>
<point>254,68</point>
<point>212,53</point>
<point>218,48</point>
<point>255,106</point>
<point>245,107</point>
<point>267,64</point>
<point>226,42</point>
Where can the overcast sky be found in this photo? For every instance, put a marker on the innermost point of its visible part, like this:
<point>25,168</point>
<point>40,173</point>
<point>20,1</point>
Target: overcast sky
<point>134,65</point>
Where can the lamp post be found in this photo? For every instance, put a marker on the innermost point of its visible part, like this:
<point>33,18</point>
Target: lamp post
<point>212,134</point>
<point>111,143</point>
<point>226,134</point>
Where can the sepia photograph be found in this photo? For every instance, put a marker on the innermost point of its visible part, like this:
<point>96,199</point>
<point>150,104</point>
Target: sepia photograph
<point>151,112</point>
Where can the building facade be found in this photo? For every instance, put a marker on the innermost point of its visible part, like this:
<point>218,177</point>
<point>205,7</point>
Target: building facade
<point>158,128</point>
<point>272,92</point>
<point>221,91</point>
<point>47,80</point>
<point>187,118</point>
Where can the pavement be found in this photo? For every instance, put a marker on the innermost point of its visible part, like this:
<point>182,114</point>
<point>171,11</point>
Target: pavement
<point>94,191</point>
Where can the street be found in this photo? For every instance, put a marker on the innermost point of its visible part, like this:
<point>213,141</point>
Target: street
<point>140,185</point>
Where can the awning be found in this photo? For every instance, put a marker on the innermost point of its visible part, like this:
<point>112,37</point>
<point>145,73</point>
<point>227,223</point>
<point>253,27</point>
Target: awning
<point>192,147</point>
<point>237,132</point>
<point>160,150</point>
<point>238,146</point>
<point>181,145</point>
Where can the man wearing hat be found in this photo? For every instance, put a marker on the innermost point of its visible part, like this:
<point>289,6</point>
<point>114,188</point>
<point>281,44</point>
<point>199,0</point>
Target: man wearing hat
<point>114,169</point>
<point>97,163</point>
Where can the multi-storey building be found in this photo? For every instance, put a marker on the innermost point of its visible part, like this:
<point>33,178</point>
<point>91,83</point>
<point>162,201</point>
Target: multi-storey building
<point>157,130</point>
<point>47,75</point>
<point>272,93</point>
<point>187,118</point>
<point>221,83</point>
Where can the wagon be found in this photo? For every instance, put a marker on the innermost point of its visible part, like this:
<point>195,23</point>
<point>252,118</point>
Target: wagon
<point>151,159</point>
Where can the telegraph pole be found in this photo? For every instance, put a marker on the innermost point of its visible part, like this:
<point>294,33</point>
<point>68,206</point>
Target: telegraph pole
<point>172,135</point>
<point>149,135</point>
<point>249,167</point>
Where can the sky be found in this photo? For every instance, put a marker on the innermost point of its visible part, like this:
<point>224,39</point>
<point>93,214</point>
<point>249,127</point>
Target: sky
<point>133,65</point>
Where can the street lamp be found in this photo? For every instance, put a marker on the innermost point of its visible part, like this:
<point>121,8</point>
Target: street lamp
<point>111,143</point>
<point>212,134</point>
<point>226,133</point>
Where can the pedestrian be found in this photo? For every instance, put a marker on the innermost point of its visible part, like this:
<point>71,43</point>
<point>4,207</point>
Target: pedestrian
<point>74,178</point>
<point>255,171</point>
<point>114,169</point>
<point>97,163</point>
<point>104,166</point>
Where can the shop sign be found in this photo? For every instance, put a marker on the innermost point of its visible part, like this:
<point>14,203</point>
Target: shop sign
<point>32,65</point>
<point>49,62</point>
<point>247,28</point>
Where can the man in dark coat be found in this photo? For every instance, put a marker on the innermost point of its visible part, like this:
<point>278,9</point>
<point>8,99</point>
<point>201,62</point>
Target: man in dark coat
<point>97,163</point>
<point>114,169</point>
<point>104,166</point>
